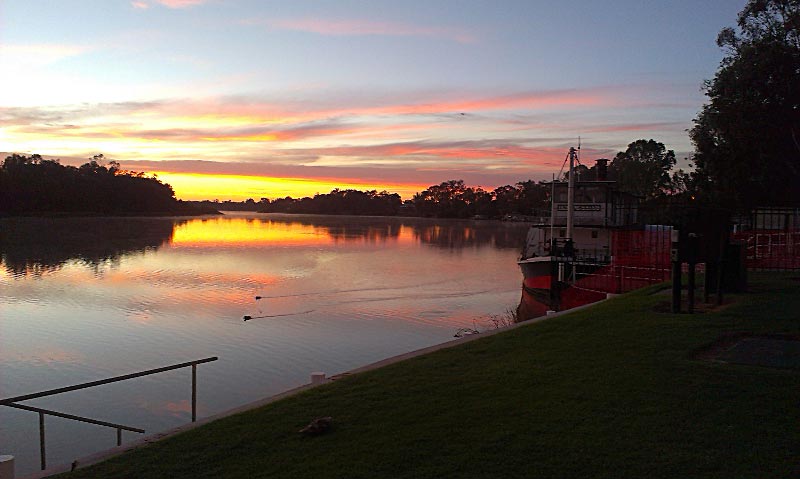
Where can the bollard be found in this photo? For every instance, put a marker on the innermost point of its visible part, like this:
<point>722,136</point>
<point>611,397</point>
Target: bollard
<point>317,378</point>
<point>6,467</point>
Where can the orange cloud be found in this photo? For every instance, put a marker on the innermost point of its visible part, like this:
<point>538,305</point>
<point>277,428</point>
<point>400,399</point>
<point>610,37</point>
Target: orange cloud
<point>260,148</point>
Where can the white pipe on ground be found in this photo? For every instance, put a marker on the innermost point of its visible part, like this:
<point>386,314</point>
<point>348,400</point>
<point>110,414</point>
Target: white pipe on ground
<point>317,377</point>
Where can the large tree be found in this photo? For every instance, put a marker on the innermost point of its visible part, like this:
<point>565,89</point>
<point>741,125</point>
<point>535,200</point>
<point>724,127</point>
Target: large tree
<point>643,169</point>
<point>747,137</point>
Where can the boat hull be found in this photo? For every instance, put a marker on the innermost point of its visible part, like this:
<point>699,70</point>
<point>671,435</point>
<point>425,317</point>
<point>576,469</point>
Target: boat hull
<point>555,284</point>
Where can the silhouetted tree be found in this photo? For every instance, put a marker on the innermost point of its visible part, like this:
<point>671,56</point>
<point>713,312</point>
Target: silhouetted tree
<point>747,137</point>
<point>33,185</point>
<point>643,169</point>
<point>339,202</point>
<point>533,197</point>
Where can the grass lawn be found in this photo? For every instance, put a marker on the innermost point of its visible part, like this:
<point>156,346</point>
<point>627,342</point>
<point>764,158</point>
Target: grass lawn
<point>611,391</point>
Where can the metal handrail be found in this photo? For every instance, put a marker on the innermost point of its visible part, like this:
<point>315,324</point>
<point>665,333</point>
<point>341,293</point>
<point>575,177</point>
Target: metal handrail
<point>75,418</point>
<point>115,379</point>
<point>12,402</point>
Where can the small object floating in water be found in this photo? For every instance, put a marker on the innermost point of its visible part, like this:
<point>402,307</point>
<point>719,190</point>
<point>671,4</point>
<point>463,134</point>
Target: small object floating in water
<point>465,332</point>
<point>248,317</point>
<point>318,426</point>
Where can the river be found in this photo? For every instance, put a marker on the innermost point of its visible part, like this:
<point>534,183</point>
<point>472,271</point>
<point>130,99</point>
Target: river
<point>83,299</point>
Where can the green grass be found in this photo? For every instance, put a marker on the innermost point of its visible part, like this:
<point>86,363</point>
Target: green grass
<point>612,391</point>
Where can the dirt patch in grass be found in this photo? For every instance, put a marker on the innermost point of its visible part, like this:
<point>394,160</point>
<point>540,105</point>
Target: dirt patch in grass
<point>741,347</point>
<point>699,306</point>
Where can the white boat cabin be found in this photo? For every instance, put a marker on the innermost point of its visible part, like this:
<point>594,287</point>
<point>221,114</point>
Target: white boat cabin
<point>598,208</point>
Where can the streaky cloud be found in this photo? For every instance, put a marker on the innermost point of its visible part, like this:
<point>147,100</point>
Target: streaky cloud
<point>362,27</point>
<point>172,4</point>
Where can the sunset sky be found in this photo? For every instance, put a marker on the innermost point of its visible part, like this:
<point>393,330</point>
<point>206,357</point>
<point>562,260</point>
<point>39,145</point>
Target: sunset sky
<point>232,99</point>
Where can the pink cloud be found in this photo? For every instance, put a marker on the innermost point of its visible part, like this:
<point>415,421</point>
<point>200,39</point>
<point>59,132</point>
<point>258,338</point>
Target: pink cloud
<point>180,3</point>
<point>428,138</point>
<point>251,119</point>
<point>467,104</point>
<point>636,127</point>
<point>455,154</point>
<point>323,26</point>
<point>145,4</point>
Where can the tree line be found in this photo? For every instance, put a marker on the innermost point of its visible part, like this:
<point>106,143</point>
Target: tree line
<point>34,185</point>
<point>338,202</point>
<point>450,199</point>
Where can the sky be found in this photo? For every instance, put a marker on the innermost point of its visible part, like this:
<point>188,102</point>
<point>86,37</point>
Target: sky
<point>236,99</point>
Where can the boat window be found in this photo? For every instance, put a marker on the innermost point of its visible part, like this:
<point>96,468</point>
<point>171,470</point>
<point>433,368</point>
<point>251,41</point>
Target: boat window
<point>594,233</point>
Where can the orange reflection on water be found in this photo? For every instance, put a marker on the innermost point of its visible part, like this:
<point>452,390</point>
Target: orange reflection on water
<point>231,231</point>
<point>246,232</point>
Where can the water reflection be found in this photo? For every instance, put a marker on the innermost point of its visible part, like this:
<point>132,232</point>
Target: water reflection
<point>37,246</point>
<point>83,299</point>
<point>451,234</point>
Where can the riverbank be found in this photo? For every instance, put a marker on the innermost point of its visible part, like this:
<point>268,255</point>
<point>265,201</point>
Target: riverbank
<point>610,391</point>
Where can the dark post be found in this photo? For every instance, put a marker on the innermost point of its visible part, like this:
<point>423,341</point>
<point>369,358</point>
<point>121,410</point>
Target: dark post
<point>41,441</point>
<point>676,273</point>
<point>119,437</point>
<point>194,392</point>
<point>691,288</point>
<point>720,269</point>
<point>691,252</point>
<point>711,275</point>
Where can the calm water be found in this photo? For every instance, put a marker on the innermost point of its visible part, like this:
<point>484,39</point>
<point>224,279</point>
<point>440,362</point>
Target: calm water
<point>86,299</point>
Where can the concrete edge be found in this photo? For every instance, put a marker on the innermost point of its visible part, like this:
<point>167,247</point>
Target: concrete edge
<point>145,441</point>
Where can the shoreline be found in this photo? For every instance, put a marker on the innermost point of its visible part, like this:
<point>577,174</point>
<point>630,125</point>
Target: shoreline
<point>106,454</point>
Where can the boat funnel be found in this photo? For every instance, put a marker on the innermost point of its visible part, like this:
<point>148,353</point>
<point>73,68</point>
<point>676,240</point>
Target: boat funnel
<point>602,169</point>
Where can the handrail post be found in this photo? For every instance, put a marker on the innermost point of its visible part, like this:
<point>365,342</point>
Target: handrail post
<point>41,441</point>
<point>14,403</point>
<point>194,392</point>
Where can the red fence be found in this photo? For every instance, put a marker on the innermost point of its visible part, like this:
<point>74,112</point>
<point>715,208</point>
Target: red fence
<point>771,249</point>
<point>639,259</point>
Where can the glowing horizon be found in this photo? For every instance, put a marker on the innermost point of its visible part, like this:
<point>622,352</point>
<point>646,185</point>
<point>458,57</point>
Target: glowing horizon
<point>198,187</point>
<point>231,100</point>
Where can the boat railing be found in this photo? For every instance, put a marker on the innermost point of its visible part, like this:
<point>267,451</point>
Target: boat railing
<point>13,402</point>
<point>563,248</point>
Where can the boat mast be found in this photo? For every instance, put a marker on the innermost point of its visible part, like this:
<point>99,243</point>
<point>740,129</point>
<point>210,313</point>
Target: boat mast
<point>571,191</point>
<point>552,214</point>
